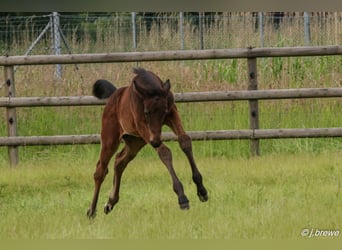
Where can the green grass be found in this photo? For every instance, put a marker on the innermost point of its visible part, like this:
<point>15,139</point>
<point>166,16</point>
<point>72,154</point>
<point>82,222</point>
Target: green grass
<point>268,197</point>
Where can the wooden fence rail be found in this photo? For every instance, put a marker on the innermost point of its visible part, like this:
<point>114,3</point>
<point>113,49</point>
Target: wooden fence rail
<point>209,96</point>
<point>169,136</point>
<point>174,55</point>
<point>252,95</point>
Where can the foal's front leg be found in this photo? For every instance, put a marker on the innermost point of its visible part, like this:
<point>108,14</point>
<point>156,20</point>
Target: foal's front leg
<point>186,145</point>
<point>174,122</point>
<point>166,157</point>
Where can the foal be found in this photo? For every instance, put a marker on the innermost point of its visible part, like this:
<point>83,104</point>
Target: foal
<point>136,114</point>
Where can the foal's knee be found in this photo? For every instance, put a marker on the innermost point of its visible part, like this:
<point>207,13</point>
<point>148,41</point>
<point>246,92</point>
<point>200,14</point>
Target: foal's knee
<point>164,153</point>
<point>101,172</point>
<point>100,176</point>
<point>185,143</point>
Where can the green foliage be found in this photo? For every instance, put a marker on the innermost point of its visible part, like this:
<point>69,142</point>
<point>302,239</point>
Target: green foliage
<point>223,71</point>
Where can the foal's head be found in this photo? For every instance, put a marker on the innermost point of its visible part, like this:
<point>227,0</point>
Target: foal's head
<point>156,100</point>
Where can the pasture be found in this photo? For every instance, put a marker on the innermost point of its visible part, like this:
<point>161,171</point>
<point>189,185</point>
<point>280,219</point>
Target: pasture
<point>267,197</point>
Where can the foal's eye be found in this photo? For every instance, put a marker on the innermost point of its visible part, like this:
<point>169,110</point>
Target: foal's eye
<point>147,112</point>
<point>147,115</point>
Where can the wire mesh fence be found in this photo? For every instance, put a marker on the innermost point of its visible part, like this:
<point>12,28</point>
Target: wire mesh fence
<point>125,31</point>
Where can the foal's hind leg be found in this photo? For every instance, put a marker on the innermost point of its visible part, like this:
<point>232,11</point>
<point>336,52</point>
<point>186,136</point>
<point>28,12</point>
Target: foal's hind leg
<point>130,150</point>
<point>174,122</point>
<point>108,147</point>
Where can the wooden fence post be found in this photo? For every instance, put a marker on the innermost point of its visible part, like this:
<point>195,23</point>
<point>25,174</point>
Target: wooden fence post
<point>253,105</point>
<point>11,115</point>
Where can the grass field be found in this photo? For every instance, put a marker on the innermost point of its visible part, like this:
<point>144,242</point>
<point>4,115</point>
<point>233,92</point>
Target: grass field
<point>268,197</point>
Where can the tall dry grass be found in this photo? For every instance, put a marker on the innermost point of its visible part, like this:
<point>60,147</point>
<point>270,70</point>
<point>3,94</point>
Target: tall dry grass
<point>206,75</point>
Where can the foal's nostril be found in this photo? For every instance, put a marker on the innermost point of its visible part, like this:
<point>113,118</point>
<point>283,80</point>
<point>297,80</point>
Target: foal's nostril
<point>155,144</point>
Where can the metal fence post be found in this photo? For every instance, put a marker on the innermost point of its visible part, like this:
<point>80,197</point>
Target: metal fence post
<point>56,42</point>
<point>253,105</point>
<point>11,115</point>
<point>134,31</point>
<point>307,34</point>
<point>261,29</point>
<point>200,25</point>
<point>181,29</point>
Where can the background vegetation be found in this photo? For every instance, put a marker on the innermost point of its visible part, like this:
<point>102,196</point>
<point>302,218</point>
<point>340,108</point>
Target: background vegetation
<point>114,34</point>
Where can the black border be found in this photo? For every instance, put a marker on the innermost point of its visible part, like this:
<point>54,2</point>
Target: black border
<point>162,5</point>
<point>167,5</point>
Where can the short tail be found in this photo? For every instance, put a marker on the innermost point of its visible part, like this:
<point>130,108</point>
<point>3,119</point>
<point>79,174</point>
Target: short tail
<point>103,89</point>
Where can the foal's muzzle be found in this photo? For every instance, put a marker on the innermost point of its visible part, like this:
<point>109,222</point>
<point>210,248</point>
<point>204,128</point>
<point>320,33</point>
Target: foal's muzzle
<point>155,143</point>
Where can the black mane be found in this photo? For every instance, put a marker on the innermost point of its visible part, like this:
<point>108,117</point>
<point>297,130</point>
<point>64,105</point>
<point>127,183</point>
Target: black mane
<point>148,81</point>
<point>139,71</point>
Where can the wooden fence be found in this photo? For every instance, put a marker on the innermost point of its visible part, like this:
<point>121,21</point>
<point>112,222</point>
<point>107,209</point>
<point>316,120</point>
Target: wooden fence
<point>252,95</point>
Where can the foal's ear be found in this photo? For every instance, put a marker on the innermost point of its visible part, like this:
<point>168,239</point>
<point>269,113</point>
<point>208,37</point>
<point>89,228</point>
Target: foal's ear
<point>137,88</point>
<point>167,85</point>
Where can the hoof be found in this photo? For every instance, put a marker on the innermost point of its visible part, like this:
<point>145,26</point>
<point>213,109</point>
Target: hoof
<point>91,213</point>
<point>183,203</point>
<point>184,206</point>
<point>202,195</point>
<point>203,198</point>
<point>107,208</point>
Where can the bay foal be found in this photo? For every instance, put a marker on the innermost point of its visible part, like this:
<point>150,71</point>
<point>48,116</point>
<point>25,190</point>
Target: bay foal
<point>136,114</point>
